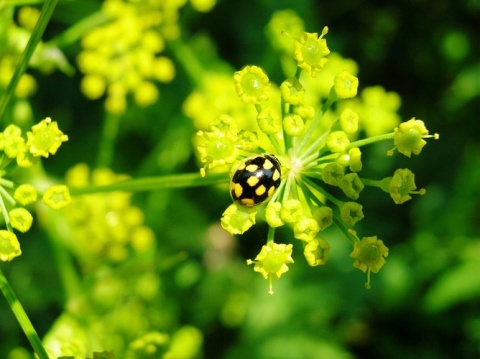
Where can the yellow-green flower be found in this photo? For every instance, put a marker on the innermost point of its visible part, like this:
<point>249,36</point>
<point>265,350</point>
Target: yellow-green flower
<point>316,252</point>
<point>272,261</point>
<point>409,137</point>
<point>292,91</point>
<point>57,197</point>
<point>12,142</point>
<point>369,254</point>
<point>282,23</point>
<point>355,159</point>
<point>306,229</point>
<point>45,138</point>
<point>401,186</point>
<point>9,246</point>
<point>25,194</point>
<point>105,226</point>
<point>333,173</point>
<point>345,85</point>
<point>349,121</point>
<point>237,220</point>
<point>324,216</point>
<point>272,214</point>
<point>216,147</point>
<point>351,213</point>
<point>269,121</point>
<point>312,131</point>
<point>311,51</point>
<point>291,211</point>
<point>352,185</point>
<point>251,84</point>
<point>21,219</point>
<point>337,141</point>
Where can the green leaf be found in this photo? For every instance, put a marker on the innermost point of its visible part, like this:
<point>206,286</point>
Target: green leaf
<point>457,285</point>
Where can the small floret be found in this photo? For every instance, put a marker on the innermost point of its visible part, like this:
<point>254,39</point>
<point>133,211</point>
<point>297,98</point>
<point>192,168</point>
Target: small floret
<point>311,51</point>
<point>251,84</point>
<point>45,138</point>
<point>316,252</point>
<point>345,85</point>
<point>57,197</point>
<point>9,246</point>
<point>369,255</point>
<point>272,261</point>
<point>238,219</point>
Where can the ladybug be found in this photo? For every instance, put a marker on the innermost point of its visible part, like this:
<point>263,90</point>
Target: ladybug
<point>255,180</point>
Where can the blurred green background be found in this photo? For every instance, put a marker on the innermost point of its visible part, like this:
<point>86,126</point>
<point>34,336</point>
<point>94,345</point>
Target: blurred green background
<point>425,303</point>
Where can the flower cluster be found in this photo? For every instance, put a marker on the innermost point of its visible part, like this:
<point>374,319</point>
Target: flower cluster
<point>123,56</point>
<point>319,150</point>
<point>104,225</point>
<point>42,140</point>
<point>118,302</point>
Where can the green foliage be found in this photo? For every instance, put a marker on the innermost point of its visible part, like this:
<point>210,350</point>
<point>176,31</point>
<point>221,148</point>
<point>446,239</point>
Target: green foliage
<point>111,243</point>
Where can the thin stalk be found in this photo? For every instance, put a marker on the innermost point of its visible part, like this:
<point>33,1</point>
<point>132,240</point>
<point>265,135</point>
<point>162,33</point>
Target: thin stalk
<point>189,61</point>
<point>5,215</point>
<point>369,140</point>
<point>22,317</point>
<point>156,183</point>
<point>80,28</point>
<point>37,34</point>
<point>108,140</point>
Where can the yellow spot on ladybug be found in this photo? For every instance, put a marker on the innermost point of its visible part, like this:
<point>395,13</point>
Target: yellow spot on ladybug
<point>252,181</point>
<point>260,190</point>
<point>241,167</point>
<point>276,175</point>
<point>267,164</point>
<point>271,190</point>
<point>238,190</point>
<point>251,168</point>
<point>247,202</point>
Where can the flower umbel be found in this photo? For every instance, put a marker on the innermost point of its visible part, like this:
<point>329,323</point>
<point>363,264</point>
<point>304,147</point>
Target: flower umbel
<point>43,140</point>
<point>319,151</point>
<point>272,261</point>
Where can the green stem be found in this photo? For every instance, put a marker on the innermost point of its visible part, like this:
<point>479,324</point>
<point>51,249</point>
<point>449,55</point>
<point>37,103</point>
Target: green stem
<point>189,61</point>
<point>108,140</point>
<point>372,183</point>
<point>20,2</point>
<point>80,28</point>
<point>369,140</point>
<point>327,195</point>
<point>7,196</point>
<point>271,234</point>
<point>314,147</point>
<point>22,317</point>
<point>155,183</point>
<point>6,183</point>
<point>313,125</point>
<point>55,224</point>
<point>276,145</point>
<point>5,215</point>
<point>343,227</point>
<point>37,34</point>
